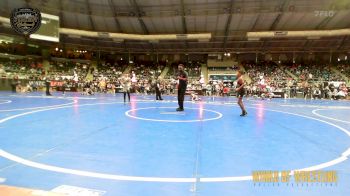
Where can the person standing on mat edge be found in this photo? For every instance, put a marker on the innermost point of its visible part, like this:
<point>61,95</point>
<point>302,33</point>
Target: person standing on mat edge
<point>158,93</point>
<point>182,76</point>
<point>48,85</point>
<point>126,83</point>
<point>14,84</point>
<point>240,92</point>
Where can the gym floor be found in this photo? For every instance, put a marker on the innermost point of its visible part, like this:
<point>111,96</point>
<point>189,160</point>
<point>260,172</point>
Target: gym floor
<point>103,146</point>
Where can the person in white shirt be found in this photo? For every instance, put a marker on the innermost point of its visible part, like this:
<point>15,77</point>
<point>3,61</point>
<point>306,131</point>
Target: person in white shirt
<point>317,93</point>
<point>75,77</point>
<point>208,90</point>
<point>133,77</point>
<point>194,97</point>
<point>201,80</point>
<point>2,69</point>
<point>342,93</point>
<point>334,93</point>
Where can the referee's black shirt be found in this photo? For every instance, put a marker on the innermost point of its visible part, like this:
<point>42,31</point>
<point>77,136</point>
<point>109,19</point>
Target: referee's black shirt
<point>182,83</point>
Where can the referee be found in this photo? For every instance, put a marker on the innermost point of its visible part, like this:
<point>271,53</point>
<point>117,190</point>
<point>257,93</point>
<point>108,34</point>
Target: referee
<point>47,84</point>
<point>182,76</point>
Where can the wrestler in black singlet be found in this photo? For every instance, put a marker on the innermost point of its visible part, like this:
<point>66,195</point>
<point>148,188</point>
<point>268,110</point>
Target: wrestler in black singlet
<point>241,92</point>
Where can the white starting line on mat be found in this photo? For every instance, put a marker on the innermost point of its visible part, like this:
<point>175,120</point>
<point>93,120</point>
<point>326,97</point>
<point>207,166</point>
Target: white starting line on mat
<point>5,101</point>
<point>2,180</point>
<point>173,113</point>
<point>344,156</point>
<point>75,191</point>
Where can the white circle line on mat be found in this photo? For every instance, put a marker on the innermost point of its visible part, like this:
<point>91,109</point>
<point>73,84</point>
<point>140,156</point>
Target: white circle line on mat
<point>41,107</point>
<point>127,113</point>
<point>320,115</point>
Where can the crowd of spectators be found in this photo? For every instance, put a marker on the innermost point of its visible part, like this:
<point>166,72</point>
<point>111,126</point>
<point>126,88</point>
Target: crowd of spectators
<point>344,69</point>
<point>107,77</point>
<point>310,81</point>
<point>27,68</point>
<point>270,72</point>
<point>314,72</point>
<point>193,69</point>
<point>267,78</point>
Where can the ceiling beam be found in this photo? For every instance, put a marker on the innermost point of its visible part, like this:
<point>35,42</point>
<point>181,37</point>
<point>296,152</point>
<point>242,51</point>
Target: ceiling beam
<point>62,22</point>
<point>61,13</point>
<point>281,10</point>
<point>183,17</point>
<point>134,48</point>
<point>257,18</point>
<point>125,45</point>
<point>302,42</point>
<point>255,23</point>
<point>139,17</point>
<point>205,8</point>
<point>137,49</point>
<point>277,19</point>
<point>342,42</point>
<point>306,44</point>
<point>139,14</point>
<point>325,21</point>
<point>90,17</point>
<point>117,23</point>
<point>228,24</point>
<point>91,21</point>
<point>262,47</point>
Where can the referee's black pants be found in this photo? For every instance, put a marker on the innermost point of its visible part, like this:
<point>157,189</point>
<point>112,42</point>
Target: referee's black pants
<point>158,94</point>
<point>48,90</point>
<point>181,96</point>
<point>126,92</point>
<point>13,88</point>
